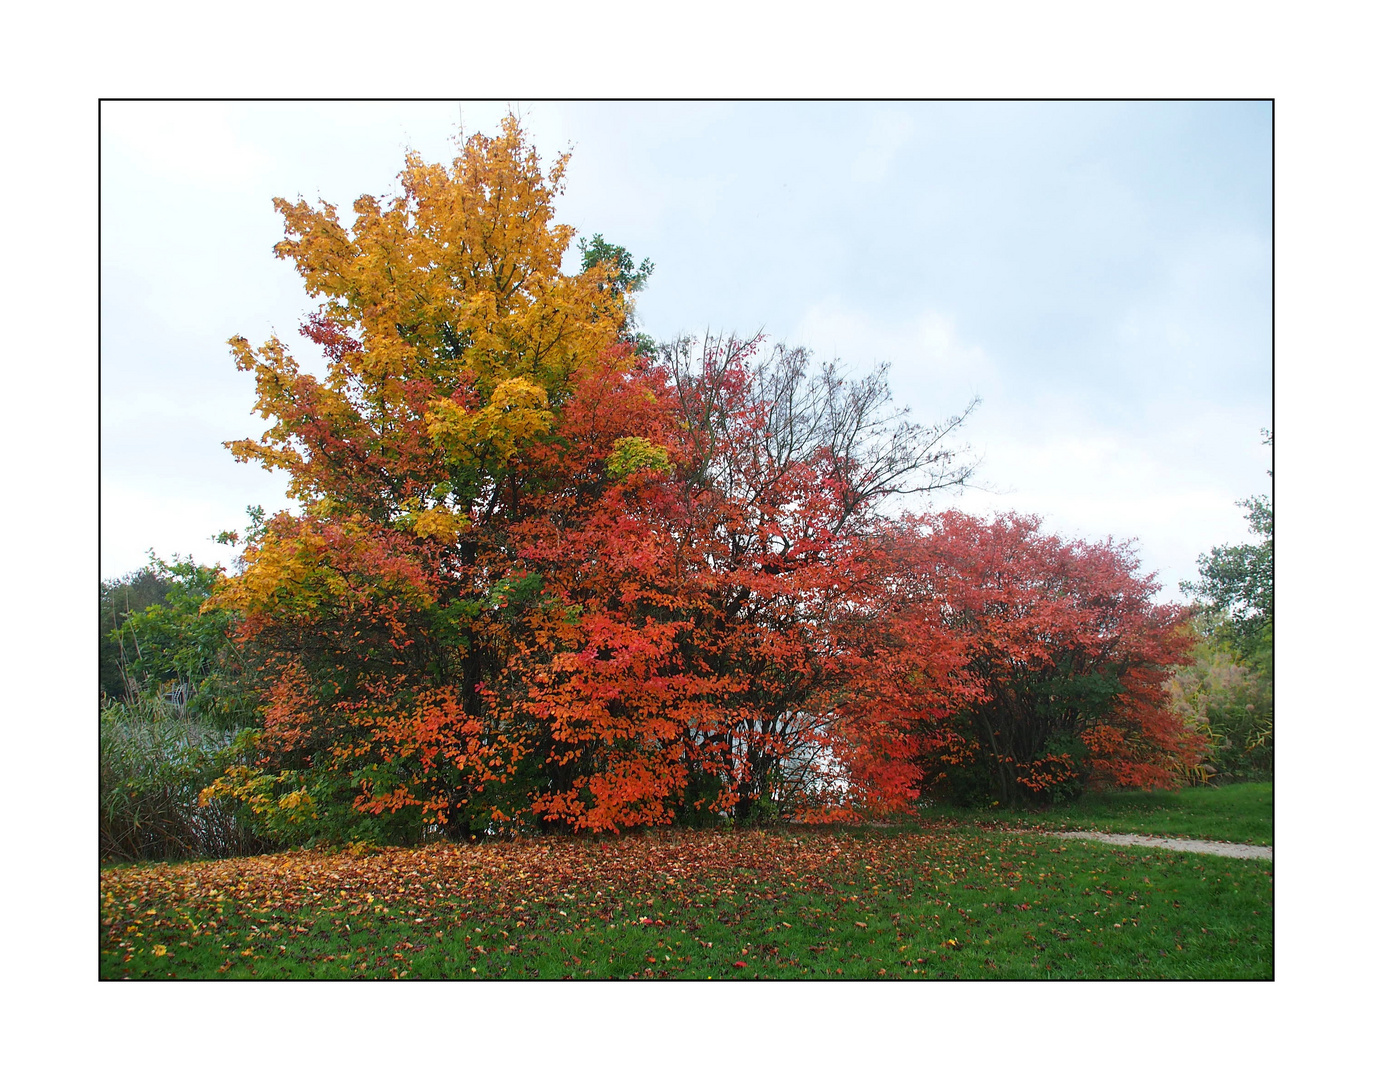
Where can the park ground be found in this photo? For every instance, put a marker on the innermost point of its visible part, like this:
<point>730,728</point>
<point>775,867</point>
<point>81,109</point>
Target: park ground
<point>987,894</point>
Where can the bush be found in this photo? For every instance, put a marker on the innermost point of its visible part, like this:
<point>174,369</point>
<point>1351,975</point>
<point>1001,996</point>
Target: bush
<point>1061,656</point>
<point>170,646</point>
<point>1231,706</point>
<point>120,598</point>
<point>155,760</point>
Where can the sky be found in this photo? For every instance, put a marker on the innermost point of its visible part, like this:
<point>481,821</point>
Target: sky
<point>1099,274</point>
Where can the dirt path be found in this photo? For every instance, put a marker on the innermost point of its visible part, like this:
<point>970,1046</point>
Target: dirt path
<point>1206,847</point>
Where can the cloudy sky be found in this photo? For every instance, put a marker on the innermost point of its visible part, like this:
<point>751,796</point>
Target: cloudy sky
<point>1098,273</point>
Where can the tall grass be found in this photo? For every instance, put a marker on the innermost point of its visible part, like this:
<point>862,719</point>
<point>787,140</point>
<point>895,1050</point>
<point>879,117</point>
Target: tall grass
<point>155,759</point>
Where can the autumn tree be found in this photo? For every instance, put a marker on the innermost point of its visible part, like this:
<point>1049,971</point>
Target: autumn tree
<point>392,604</point>
<point>546,575</point>
<point>786,466</point>
<point>1064,661</point>
<point>542,573</point>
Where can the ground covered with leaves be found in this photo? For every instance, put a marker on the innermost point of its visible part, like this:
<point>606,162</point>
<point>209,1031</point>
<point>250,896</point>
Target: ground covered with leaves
<point>942,902</point>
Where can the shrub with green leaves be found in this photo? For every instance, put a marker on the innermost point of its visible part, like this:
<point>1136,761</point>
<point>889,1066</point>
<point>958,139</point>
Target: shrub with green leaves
<point>119,598</point>
<point>172,648</point>
<point>1231,704</point>
<point>155,760</point>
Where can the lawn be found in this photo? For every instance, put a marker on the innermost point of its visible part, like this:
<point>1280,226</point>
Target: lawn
<point>1241,813</point>
<point>943,901</point>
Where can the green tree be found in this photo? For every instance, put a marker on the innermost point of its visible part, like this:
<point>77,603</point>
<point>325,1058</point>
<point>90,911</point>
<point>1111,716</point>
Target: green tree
<point>625,279</point>
<point>1236,584</point>
<point>172,646</point>
<point>119,598</point>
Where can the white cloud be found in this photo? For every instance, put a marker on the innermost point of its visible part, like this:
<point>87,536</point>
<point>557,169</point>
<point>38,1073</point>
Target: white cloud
<point>193,141</point>
<point>1055,458</point>
<point>181,522</point>
<point>933,369</point>
<point>1203,328</point>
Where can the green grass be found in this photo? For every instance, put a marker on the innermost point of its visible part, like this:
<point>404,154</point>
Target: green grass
<point>1241,813</point>
<point>944,903</point>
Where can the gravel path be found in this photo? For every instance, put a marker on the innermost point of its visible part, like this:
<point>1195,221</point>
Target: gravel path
<point>1206,847</point>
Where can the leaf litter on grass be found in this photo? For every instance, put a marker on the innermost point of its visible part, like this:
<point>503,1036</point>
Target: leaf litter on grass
<point>696,904</point>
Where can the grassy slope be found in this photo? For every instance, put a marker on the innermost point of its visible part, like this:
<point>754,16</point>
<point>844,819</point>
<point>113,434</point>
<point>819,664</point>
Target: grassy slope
<point>1242,813</point>
<point>939,903</point>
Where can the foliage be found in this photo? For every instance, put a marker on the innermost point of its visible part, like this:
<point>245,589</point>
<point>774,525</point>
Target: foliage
<point>539,577</point>
<point>1064,661</point>
<point>624,280</point>
<point>544,578</point>
<point>451,335</point>
<point>785,467</point>
<point>119,598</point>
<point>390,609</point>
<point>1227,693</point>
<point>1231,706</point>
<point>1236,587</point>
<point>743,904</point>
<point>155,758</point>
<point>179,648</point>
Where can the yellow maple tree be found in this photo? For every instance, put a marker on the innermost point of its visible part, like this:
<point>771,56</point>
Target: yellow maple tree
<point>451,332</point>
<point>452,338</point>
